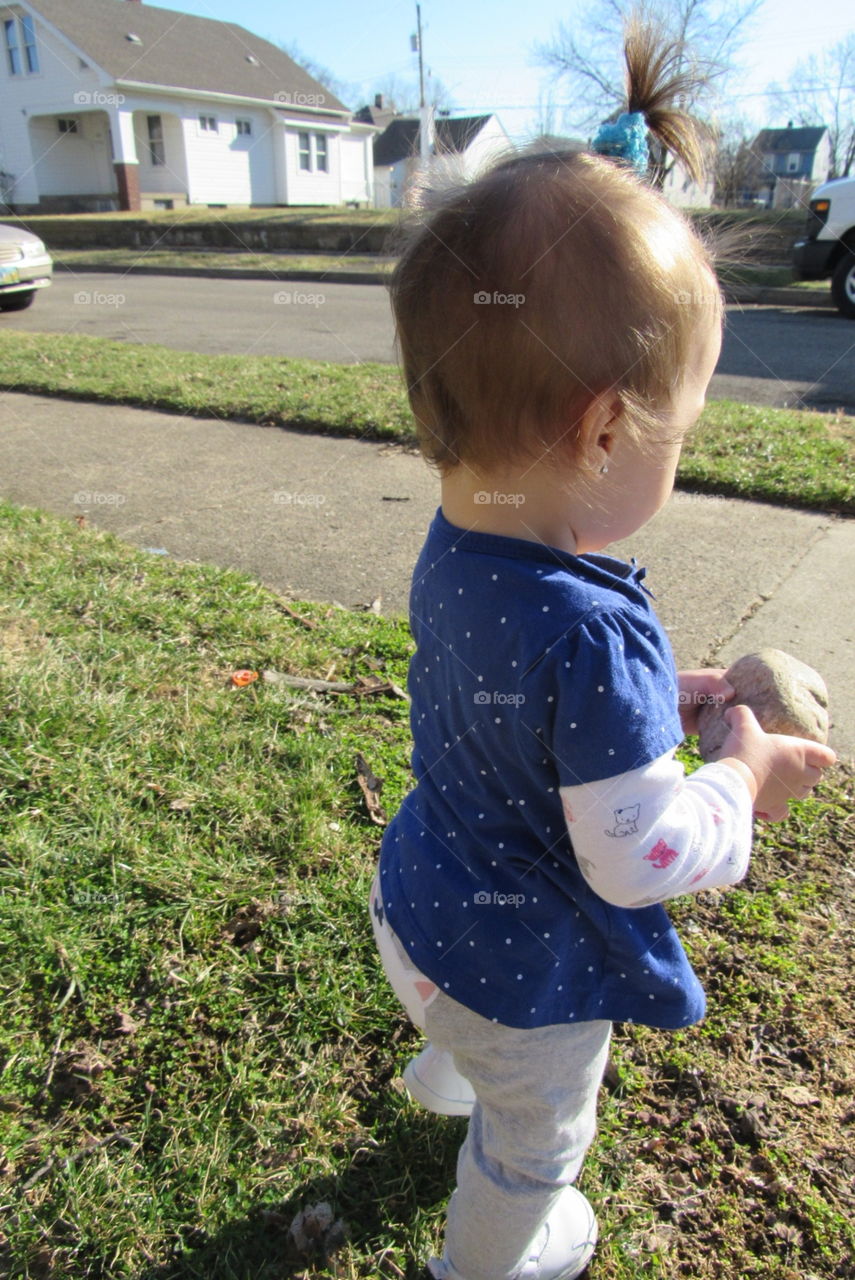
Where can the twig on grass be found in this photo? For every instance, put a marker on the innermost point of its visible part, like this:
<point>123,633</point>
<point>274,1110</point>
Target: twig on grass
<point>54,1161</point>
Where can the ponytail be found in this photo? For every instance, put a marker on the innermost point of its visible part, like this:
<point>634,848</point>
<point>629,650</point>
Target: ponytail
<point>655,82</point>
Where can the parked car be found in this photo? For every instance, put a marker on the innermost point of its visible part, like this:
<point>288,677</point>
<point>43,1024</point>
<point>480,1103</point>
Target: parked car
<point>25,267</point>
<point>828,246</point>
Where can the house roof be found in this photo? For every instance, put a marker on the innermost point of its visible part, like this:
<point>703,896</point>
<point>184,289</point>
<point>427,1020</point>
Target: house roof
<point>400,138</point>
<point>181,51</point>
<point>789,139</point>
<point>378,116</point>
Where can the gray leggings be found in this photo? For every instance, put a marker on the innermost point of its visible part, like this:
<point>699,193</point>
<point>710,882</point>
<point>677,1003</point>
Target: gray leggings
<point>533,1122</point>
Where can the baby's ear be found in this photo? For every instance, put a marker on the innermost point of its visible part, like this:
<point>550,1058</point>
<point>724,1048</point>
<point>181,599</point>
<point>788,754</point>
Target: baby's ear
<point>598,425</point>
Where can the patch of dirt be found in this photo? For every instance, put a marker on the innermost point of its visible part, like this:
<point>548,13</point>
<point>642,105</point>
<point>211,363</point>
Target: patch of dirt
<point>741,1138</point>
<point>19,639</point>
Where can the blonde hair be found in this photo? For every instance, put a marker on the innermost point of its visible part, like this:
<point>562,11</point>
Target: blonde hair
<point>553,278</point>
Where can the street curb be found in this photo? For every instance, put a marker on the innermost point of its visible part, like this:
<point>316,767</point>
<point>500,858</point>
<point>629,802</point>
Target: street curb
<point>739,293</point>
<point>229,273</point>
<point>781,297</point>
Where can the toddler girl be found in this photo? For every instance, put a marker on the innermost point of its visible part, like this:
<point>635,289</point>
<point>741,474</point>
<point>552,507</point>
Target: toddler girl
<point>558,325</point>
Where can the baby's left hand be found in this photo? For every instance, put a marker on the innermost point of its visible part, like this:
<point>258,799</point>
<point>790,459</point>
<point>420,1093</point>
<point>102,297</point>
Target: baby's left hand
<point>697,688</point>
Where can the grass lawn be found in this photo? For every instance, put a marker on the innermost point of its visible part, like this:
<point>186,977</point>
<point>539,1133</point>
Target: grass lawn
<point>196,1039</point>
<point>778,455</point>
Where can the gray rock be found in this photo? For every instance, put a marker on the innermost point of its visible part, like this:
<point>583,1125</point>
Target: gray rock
<point>786,696</point>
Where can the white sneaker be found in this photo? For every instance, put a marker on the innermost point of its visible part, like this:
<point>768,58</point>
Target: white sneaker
<point>563,1249</point>
<point>434,1081</point>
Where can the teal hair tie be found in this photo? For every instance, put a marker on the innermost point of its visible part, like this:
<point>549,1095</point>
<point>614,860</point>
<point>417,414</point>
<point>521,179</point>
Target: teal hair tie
<point>625,139</point>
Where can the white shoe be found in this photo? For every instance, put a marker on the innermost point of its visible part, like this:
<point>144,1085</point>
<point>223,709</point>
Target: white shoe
<point>434,1081</point>
<point>563,1249</point>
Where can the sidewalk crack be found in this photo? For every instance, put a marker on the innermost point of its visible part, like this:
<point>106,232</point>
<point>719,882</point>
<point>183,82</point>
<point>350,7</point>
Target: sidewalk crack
<point>757,603</point>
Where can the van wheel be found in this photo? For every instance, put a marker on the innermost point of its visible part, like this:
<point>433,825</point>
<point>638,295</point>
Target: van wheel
<point>843,285</point>
<point>20,301</point>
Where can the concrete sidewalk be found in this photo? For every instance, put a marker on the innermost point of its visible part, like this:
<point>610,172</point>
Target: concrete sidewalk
<point>330,519</point>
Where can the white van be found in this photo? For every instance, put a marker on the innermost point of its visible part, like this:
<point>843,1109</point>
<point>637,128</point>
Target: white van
<point>828,246</point>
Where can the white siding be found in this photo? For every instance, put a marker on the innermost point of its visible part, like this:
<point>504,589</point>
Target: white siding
<point>356,168</point>
<point>225,167</point>
<point>489,143</point>
<point>312,186</point>
<point>51,90</point>
<point>171,176</point>
<point>682,192</point>
<point>72,164</point>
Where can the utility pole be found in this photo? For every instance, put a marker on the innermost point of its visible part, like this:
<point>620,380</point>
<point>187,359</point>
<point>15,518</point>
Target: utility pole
<point>424,110</point>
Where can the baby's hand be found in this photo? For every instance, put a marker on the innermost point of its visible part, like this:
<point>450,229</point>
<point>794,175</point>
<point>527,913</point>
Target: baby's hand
<point>783,768</point>
<point>698,688</point>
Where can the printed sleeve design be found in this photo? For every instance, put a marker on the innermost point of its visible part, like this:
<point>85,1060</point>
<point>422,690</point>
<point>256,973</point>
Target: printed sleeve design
<point>684,834</point>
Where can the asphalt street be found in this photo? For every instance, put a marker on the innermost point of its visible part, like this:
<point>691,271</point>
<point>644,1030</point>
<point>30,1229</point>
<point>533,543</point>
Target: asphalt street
<point>784,356</point>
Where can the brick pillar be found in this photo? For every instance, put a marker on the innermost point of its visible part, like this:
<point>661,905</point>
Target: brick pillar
<point>128,183</point>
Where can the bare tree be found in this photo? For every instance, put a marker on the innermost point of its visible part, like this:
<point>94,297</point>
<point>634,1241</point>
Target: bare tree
<point>821,91</point>
<point>587,57</point>
<point>341,89</point>
<point>401,94</point>
<point>735,166</point>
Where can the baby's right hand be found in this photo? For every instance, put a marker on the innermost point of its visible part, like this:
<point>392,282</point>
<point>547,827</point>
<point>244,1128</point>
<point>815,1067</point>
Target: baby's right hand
<point>783,768</point>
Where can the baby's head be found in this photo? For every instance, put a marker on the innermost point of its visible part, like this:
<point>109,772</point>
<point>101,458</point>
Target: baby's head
<point>551,280</point>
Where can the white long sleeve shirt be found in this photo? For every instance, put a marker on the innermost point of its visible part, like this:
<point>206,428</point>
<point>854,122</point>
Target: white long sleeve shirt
<point>653,833</point>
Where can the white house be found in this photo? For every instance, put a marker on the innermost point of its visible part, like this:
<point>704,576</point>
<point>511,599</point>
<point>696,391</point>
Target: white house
<point>471,140</point>
<point>117,104</point>
<point>681,190</point>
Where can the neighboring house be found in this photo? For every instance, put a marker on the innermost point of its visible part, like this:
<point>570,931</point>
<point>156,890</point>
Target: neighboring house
<point>789,163</point>
<point>117,104</point>
<point>472,140</point>
<point>680,190</point>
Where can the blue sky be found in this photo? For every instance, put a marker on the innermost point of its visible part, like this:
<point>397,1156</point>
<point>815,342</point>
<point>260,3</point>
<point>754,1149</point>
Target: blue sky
<point>482,50</point>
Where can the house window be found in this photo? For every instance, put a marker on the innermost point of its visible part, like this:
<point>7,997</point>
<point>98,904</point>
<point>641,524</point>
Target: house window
<point>67,124</point>
<point>305,151</point>
<point>21,50</point>
<point>156,149</point>
<point>314,153</point>
<point>208,124</point>
<point>31,53</point>
<point>244,128</point>
<point>793,162</point>
<point>13,51</point>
